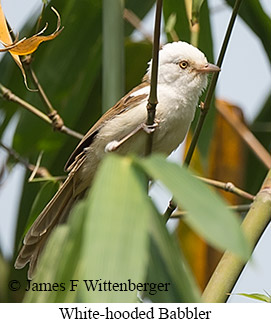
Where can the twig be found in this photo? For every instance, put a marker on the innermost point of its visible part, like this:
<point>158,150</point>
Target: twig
<point>133,19</point>
<point>236,208</point>
<point>231,266</point>
<point>58,122</point>
<point>152,100</point>
<point>170,209</point>
<point>41,91</point>
<point>205,106</point>
<point>41,171</point>
<point>248,137</point>
<point>53,119</point>
<point>36,168</point>
<point>228,187</point>
<point>211,88</point>
<point>8,95</point>
<point>49,178</point>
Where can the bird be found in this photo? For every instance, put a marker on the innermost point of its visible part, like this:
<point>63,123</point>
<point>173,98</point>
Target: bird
<point>182,77</point>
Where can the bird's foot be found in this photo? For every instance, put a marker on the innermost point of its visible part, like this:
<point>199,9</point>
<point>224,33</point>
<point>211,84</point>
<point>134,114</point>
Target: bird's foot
<point>112,146</point>
<point>150,128</point>
<point>115,144</point>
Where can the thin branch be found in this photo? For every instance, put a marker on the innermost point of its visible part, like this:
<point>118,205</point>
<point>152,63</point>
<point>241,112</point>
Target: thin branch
<point>152,100</point>
<point>36,168</point>
<point>206,105</point>
<point>237,208</point>
<point>228,187</point>
<point>211,88</point>
<point>8,95</point>
<point>71,132</point>
<point>41,171</point>
<point>231,266</point>
<point>53,118</point>
<point>170,209</point>
<point>43,96</point>
<point>133,19</point>
<point>248,137</point>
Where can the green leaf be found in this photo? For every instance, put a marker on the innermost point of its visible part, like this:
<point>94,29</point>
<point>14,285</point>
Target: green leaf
<point>116,229</point>
<point>171,22</point>
<point>60,261</point>
<point>181,26</point>
<point>52,257</point>
<point>259,297</point>
<point>208,215</point>
<point>167,264</point>
<point>107,237</point>
<point>196,5</point>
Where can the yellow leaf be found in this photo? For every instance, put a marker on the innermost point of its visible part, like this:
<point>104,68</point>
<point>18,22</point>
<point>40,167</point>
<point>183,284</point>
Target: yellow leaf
<point>6,38</point>
<point>29,45</point>
<point>26,45</point>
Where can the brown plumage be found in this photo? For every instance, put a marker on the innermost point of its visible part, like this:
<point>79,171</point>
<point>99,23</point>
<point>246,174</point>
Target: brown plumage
<point>58,209</point>
<point>182,76</point>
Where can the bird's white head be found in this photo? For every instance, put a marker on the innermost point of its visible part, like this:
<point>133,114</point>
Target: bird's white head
<point>183,66</point>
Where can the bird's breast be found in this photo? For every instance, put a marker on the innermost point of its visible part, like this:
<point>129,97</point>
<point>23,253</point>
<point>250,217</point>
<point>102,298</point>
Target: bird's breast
<point>174,115</point>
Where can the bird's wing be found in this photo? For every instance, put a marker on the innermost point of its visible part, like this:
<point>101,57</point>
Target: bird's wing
<point>128,102</point>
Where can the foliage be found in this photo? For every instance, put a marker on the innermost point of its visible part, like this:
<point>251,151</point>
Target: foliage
<point>258,297</point>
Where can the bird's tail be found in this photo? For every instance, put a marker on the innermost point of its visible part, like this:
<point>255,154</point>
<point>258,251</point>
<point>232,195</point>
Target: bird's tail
<point>55,212</point>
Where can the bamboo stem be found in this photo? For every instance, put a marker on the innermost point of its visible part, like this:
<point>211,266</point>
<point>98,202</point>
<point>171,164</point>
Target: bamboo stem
<point>113,53</point>
<point>230,266</point>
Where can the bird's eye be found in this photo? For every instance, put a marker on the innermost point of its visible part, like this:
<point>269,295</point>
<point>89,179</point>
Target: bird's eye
<point>183,64</point>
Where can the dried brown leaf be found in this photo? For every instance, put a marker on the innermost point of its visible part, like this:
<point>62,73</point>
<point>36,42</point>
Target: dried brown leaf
<point>29,45</point>
<point>25,46</point>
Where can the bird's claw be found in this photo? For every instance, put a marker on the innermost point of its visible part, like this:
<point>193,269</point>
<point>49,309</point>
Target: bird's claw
<point>150,128</point>
<point>111,146</point>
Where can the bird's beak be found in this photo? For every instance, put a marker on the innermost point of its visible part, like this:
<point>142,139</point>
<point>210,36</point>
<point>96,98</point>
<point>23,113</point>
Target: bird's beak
<point>208,68</point>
